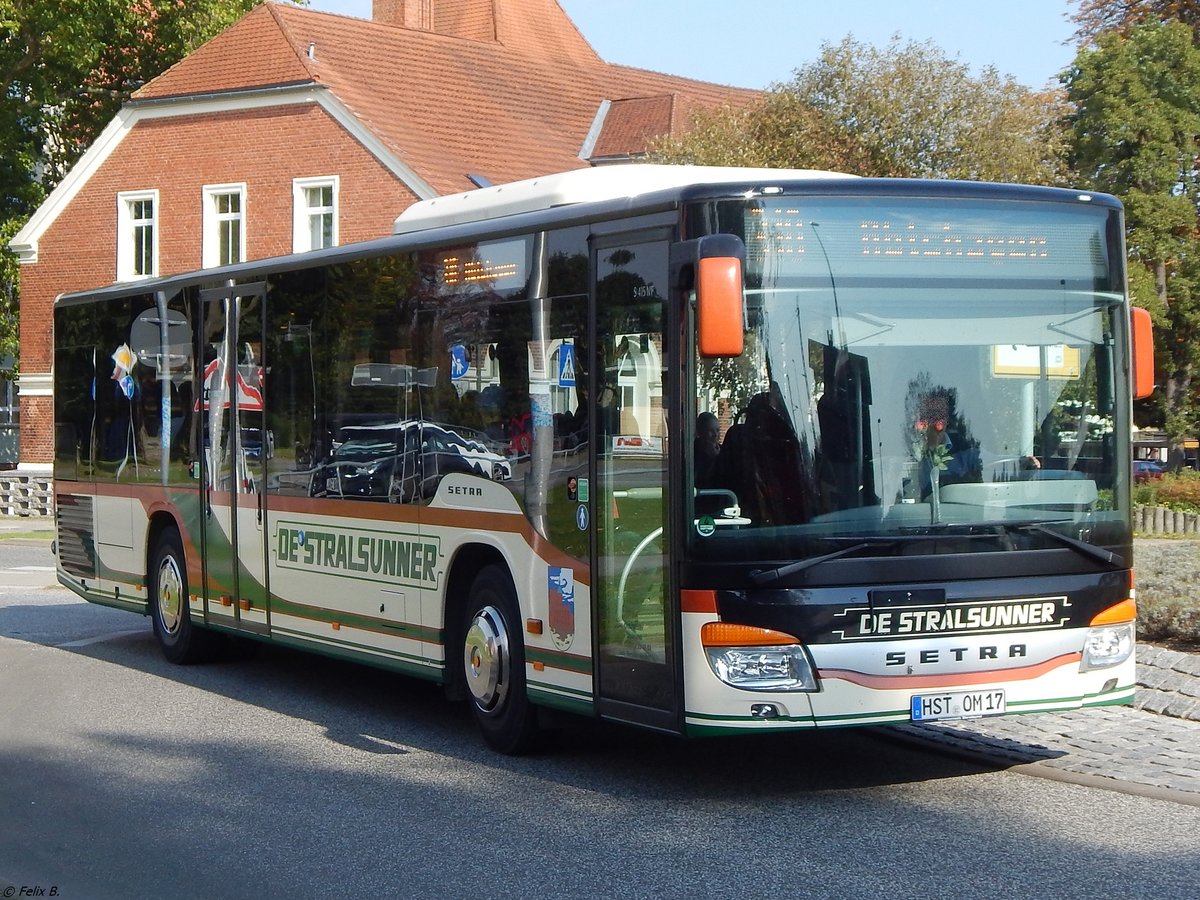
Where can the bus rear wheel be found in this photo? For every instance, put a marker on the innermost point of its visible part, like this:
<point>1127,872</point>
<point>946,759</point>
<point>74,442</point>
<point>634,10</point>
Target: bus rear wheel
<point>493,657</point>
<point>181,642</point>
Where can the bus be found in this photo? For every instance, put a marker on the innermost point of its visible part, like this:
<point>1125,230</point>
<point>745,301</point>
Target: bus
<point>703,450</point>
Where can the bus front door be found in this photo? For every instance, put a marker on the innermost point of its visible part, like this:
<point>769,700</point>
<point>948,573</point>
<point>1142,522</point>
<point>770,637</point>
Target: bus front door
<point>636,645</point>
<point>233,462</point>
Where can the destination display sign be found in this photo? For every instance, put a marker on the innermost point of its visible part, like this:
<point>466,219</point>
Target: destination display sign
<point>488,265</point>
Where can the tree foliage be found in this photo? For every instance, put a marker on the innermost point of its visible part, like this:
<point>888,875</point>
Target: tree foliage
<point>903,110</point>
<point>65,70</point>
<point>1098,17</point>
<point>920,113</point>
<point>781,130</point>
<point>1136,94</point>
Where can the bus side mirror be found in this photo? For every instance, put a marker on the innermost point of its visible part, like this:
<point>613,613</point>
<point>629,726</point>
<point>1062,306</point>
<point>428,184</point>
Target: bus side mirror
<point>1143,353</point>
<point>719,306</point>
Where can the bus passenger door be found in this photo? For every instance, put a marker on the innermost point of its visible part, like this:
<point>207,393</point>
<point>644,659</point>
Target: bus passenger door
<point>233,461</point>
<point>636,639</point>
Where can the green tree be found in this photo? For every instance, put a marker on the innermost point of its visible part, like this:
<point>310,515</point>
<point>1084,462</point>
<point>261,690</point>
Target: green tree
<point>780,130</point>
<point>921,114</point>
<point>1134,134</point>
<point>65,70</point>
<point>903,110</point>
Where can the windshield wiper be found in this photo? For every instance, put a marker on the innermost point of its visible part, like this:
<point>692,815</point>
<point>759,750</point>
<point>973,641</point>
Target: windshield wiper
<point>770,576</point>
<point>1082,547</point>
<point>764,577</point>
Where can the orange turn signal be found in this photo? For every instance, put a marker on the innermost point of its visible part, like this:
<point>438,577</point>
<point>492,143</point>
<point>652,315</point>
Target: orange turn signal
<point>726,634</point>
<point>1125,611</point>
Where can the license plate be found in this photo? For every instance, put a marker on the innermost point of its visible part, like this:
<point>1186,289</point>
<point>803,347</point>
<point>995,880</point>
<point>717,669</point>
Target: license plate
<point>961,705</point>
<point>333,485</point>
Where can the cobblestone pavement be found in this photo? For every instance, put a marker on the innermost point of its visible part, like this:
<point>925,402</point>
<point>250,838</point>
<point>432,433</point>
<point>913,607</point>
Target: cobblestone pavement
<point>1168,682</point>
<point>1154,746</point>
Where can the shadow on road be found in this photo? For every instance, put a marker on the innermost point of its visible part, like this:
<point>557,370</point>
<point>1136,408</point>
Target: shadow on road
<point>382,713</point>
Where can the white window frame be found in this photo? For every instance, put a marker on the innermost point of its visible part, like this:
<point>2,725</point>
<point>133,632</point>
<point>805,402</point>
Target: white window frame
<point>302,212</point>
<point>127,227</point>
<point>212,222</point>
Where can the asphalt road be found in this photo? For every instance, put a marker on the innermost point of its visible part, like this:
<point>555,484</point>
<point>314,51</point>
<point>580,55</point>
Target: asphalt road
<point>281,774</point>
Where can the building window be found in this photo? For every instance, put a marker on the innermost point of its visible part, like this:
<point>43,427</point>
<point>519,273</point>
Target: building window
<point>315,216</point>
<point>137,235</point>
<point>224,224</point>
<point>10,417</point>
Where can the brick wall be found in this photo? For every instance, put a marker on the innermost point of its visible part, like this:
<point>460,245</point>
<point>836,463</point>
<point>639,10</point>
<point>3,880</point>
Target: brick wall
<point>37,425</point>
<point>265,149</point>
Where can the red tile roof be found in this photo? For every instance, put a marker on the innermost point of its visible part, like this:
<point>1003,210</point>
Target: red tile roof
<point>249,54</point>
<point>508,108</point>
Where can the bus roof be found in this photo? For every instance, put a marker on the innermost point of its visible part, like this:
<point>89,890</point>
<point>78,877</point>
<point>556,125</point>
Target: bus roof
<point>582,186</point>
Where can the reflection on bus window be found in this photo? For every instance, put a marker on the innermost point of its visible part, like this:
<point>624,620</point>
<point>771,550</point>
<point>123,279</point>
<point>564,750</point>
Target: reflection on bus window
<point>871,397</point>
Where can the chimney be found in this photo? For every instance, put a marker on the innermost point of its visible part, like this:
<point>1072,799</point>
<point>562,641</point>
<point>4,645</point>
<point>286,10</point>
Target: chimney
<point>389,12</point>
<point>472,20</point>
<point>417,14</point>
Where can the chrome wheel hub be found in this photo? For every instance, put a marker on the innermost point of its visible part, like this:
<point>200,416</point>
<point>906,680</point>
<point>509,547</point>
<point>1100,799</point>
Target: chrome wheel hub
<point>170,594</point>
<point>485,659</point>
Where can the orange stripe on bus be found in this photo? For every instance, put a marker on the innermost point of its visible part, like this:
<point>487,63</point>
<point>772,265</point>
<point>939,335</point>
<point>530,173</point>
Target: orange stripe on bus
<point>896,682</point>
<point>156,498</point>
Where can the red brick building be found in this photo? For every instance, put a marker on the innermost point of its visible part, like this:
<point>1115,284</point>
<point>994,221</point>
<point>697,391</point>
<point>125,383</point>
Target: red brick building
<point>297,129</point>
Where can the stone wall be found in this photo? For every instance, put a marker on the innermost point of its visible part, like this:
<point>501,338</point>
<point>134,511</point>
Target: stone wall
<point>26,495</point>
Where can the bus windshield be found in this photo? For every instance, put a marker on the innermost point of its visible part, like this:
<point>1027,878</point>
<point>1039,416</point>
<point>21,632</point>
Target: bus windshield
<point>913,367</point>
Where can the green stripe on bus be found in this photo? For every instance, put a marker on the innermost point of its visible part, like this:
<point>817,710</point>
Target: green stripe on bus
<point>404,663</point>
<point>1061,703</point>
<point>372,624</point>
<point>693,730</point>
<point>1112,699</point>
<point>715,718</point>
<point>887,715</point>
<point>581,705</point>
<point>569,662</point>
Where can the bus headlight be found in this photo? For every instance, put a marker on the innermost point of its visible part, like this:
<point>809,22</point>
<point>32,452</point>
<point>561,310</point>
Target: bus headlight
<point>757,659</point>
<point>1107,645</point>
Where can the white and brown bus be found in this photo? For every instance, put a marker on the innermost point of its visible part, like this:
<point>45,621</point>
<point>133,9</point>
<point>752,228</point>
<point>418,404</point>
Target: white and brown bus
<point>470,451</point>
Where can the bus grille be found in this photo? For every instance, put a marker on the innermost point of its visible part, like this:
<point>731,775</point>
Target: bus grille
<point>76,535</point>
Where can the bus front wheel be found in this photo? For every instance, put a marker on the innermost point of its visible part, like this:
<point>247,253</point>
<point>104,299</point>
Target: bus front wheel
<point>494,664</point>
<point>180,641</point>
